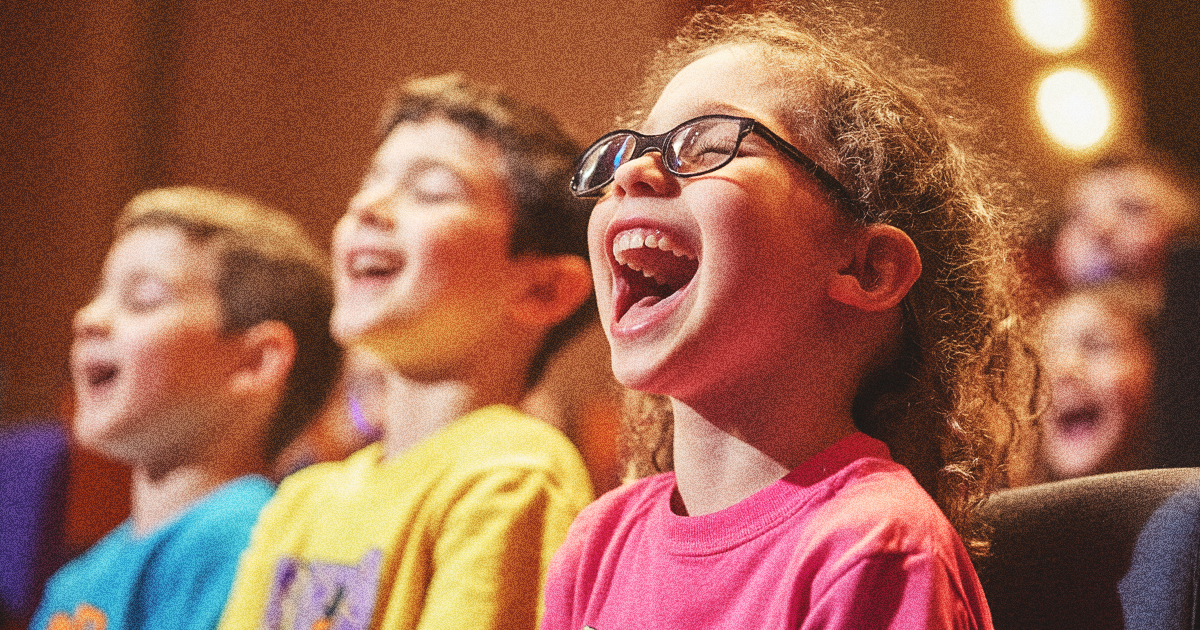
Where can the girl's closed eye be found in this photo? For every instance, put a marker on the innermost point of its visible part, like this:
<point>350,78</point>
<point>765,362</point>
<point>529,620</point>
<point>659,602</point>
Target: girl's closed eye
<point>708,152</point>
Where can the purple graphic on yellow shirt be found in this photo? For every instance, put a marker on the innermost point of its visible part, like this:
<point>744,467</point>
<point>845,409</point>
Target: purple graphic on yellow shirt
<point>323,596</point>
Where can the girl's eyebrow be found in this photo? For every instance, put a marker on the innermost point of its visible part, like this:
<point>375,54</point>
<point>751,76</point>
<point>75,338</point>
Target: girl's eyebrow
<point>704,108</point>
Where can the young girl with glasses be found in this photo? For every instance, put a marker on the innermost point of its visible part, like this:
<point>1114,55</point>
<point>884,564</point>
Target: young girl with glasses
<point>808,274</point>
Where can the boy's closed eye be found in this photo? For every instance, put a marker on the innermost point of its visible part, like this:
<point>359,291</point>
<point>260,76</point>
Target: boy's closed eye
<point>424,181</point>
<point>436,183</point>
<point>144,292</point>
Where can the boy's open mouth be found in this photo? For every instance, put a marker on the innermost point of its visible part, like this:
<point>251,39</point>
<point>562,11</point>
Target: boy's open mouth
<point>651,267</point>
<point>372,265</point>
<point>100,374</point>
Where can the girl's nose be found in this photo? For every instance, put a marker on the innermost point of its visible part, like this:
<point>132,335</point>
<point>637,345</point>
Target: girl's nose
<point>645,176</point>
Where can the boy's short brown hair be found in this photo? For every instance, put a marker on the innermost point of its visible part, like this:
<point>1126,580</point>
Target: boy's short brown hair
<point>268,270</point>
<point>539,160</point>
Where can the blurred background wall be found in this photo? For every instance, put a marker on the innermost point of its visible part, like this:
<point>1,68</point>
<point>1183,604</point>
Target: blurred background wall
<point>103,98</point>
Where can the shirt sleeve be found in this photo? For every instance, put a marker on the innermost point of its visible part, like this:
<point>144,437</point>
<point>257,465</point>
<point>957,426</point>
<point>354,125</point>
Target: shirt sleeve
<point>892,590</point>
<point>491,555</point>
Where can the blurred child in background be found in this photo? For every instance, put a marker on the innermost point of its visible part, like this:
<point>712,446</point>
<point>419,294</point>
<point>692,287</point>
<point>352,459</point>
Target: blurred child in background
<point>204,352</point>
<point>1099,361</point>
<point>1120,220</point>
<point>461,263</point>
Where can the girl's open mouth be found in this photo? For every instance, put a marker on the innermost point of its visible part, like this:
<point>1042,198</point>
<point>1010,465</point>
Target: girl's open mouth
<point>651,267</point>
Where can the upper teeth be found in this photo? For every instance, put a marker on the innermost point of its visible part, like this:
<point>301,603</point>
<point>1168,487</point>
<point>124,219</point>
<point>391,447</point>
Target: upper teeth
<point>635,239</point>
<point>369,261</point>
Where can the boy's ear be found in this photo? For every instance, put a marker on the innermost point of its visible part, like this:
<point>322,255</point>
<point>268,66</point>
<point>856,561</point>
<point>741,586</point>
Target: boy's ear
<point>883,265</point>
<point>268,352</point>
<point>554,288</point>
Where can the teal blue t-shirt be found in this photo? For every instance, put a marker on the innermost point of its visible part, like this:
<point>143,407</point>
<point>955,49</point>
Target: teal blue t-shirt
<point>178,576</point>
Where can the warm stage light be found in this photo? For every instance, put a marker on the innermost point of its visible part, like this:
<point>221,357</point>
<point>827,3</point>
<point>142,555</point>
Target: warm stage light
<point>1052,25</point>
<point>1075,108</point>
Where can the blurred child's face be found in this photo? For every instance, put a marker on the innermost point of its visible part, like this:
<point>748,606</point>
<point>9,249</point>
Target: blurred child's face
<point>1099,367</point>
<point>743,253</point>
<point>421,257</point>
<point>149,360</point>
<point>1119,223</point>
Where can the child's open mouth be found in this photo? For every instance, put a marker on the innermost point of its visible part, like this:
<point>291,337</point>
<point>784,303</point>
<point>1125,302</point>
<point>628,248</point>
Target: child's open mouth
<point>651,268</point>
<point>372,266</point>
<point>1078,422</point>
<point>100,375</point>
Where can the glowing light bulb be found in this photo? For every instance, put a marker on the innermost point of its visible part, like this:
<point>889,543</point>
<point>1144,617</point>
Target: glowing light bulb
<point>1075,108</point>
<point>1052,25</point>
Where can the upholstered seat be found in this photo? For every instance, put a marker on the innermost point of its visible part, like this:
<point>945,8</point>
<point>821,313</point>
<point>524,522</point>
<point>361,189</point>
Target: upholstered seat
<point>34,458</point>
<point>1108,551</point>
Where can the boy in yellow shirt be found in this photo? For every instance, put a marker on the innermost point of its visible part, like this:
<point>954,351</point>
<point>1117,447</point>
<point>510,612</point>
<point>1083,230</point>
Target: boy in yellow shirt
<point>461,263</point>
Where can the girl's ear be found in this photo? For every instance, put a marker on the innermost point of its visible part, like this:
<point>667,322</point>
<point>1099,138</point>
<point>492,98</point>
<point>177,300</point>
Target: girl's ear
<point>883,266</point>
<point>555,287</point>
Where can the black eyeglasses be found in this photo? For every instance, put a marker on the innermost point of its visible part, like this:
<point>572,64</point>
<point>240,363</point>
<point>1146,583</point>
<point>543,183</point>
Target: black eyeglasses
<point>697,146</point>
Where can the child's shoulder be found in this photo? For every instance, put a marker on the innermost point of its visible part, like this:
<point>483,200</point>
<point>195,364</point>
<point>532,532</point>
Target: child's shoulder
<point>625,506</point>
<point>218,525</point>
<point>499,433</point>
<point>239,498</point>
<point>500,441</point>
<point>482,442</point>
<point>315,478</point>
<point>875,499</point>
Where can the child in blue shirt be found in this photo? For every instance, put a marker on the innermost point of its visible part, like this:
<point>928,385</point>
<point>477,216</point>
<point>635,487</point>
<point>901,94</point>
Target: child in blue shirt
<point>205,350</point>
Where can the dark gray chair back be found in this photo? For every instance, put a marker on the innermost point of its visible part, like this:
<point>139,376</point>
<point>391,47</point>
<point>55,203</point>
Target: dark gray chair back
<point>1113,551</point>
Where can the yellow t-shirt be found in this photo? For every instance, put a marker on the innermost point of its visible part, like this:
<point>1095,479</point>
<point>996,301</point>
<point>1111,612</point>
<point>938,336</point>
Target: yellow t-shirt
<point>455,533</point>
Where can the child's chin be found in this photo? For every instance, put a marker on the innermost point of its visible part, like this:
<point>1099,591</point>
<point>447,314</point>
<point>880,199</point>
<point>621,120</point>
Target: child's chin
<point>103,443</point>
<point>348,329</point>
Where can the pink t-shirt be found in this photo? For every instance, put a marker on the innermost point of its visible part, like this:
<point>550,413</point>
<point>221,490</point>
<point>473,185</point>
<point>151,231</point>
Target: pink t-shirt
<point>847,540</point>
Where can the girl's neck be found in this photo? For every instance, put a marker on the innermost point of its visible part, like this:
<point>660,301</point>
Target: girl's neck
<point>724,456</point>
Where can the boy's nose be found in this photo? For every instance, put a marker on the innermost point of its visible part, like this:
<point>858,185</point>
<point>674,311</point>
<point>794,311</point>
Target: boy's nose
<point>371,208</point>
<point>91,321</point>
<point>644,176</point>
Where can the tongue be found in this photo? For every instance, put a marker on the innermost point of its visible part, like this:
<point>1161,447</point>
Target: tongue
<point>639,308</point>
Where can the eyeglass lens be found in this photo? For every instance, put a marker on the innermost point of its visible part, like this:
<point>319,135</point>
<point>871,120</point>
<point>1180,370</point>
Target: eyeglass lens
<point>697,147</point>
<point>703,146</point>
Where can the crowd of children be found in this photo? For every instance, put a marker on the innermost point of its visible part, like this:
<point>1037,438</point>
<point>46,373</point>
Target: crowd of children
<point>806,271</point>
